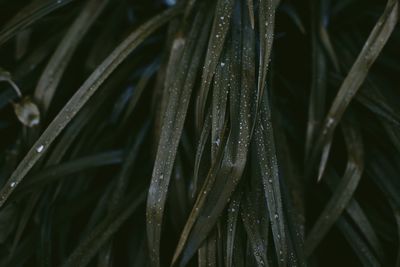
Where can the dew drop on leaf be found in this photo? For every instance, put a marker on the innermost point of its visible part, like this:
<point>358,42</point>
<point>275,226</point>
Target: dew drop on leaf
<point>39,148</point>
<point>27,112</point>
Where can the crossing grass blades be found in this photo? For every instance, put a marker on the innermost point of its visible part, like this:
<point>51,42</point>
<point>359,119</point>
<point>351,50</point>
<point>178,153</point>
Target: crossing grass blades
<point>199,133</point>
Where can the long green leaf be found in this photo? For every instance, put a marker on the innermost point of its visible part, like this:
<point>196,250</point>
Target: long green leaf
<point>57,64</point>
<point>178,102</point>
<point>81,97</point>
<point>31,13</point>
<point>343,192</point>
<point>101,234</point>
<point>217,189</point>
<point>354,79</point>
<point>266,156</point>
<point>222,20</point>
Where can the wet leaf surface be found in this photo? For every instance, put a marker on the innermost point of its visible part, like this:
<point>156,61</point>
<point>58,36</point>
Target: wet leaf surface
<point>199,133</point>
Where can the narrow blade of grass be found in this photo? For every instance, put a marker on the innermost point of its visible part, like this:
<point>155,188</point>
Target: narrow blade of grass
<point>343,192</point>
<point>30,14</point>
<point>57,64</point>
<point>80,98</point>
<point>101,234</point>
<point>354,79</point>
<point>268,167</point>
<point>178,102</point>
<point>221,24</point>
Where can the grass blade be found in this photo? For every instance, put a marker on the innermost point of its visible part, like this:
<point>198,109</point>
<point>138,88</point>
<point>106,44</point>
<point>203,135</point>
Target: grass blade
<point>29,15</point>
<point>171,131</point>
<point>354,79</point>
<point>101,234</point>
<point>266,156</point>
<point>222,19</point>
<point>57,64</point>
<point>232,221</point>
<point>255,222</point>
<point>81,97</point>
<point>217,189</point>
<point>343,192</point>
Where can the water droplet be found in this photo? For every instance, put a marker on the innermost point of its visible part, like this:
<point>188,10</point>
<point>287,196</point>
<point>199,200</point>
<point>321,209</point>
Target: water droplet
<point>276,216</point>
<point>39,148</point>
<point>161,176</point>
<point>27,112</point>
<point>222,64</point>
<point>13,184</point>
<point>217,142</point>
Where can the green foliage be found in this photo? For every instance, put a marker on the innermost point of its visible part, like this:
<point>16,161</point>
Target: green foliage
<point>199,133</point>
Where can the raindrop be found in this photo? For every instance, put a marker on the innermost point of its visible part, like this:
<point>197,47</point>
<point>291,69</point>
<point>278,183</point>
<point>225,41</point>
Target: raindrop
<point>39,148</point>
<point>27,112</point>
<point>13,184</point>
<point>222,64</point>
<point>217,142</point>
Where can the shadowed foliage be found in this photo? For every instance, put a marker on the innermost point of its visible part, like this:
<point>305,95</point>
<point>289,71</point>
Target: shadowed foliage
<point>199,133</point>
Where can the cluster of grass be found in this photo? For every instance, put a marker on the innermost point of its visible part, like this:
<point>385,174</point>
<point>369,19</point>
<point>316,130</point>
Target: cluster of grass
<point>199,133</point>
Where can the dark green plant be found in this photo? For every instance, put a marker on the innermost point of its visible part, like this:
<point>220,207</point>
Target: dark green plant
<point>199,133</point>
